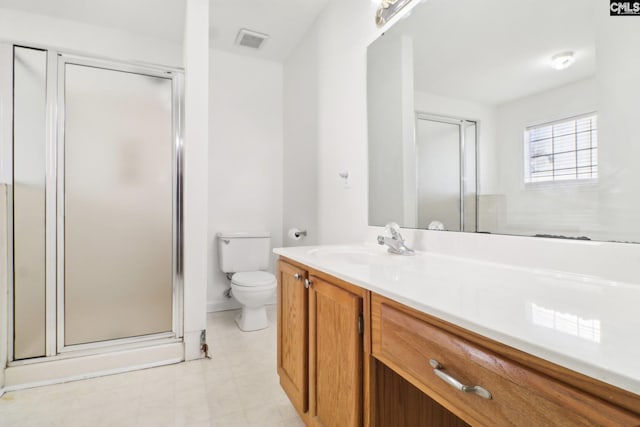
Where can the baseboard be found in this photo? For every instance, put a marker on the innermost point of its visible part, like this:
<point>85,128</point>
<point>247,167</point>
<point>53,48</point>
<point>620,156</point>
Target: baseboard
<point>230,304</point>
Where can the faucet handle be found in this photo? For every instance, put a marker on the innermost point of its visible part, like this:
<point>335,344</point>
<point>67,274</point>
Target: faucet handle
<point>394,230</point>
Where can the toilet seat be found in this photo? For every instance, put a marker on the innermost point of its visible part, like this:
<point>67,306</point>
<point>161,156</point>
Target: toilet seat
<point>253,279</point>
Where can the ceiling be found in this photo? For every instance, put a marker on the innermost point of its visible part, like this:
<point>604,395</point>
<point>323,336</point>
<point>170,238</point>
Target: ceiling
<point>285,21</point>
<point>494,51</point>
<point>138,16</point>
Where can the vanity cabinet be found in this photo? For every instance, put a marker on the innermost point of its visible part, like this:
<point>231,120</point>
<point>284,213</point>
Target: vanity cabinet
<point>320,345</point>
<point>293,334</point>
<point>437,358</point>
<point>350,357</point>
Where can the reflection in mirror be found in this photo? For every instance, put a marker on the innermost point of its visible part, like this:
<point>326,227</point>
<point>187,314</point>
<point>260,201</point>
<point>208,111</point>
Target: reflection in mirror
<point>547,90</point>
<point>445,173</point>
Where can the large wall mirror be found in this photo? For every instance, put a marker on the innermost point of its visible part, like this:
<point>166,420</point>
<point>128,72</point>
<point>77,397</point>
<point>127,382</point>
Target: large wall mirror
<point>495,117</point>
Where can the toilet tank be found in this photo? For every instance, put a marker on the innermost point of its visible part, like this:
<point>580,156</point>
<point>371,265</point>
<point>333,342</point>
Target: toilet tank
<point>244,251</point>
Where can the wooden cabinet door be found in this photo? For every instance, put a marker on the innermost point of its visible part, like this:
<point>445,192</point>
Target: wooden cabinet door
<point>336,352</point>
<point>293,338</point>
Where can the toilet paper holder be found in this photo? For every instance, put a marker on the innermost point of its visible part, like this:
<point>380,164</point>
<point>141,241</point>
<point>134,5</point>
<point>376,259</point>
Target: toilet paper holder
<point>297,234</point>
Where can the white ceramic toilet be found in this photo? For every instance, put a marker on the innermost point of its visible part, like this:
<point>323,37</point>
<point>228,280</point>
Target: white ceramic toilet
<point>245,254</point>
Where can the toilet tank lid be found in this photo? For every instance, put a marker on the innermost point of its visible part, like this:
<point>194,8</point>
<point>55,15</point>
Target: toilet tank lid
<point>242,234</point>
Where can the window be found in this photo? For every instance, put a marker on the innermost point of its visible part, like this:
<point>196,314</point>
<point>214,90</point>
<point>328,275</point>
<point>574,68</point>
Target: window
<point>562,150</point>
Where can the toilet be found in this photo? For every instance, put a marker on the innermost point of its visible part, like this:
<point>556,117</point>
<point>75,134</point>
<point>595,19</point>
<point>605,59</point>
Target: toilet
<point>243,255</point>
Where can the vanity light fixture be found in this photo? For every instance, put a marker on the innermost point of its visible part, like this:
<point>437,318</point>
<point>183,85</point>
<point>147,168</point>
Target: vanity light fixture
<point>563,60</point>
<point>388,9</point>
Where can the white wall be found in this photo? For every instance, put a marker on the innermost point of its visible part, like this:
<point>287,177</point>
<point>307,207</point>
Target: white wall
<point>42,30</point>
<point>245,155</point>
<point>196,145</point>
<point>345,28</point>
<point>338,42</point>
<point>300,169</point>
<point>342,32</point>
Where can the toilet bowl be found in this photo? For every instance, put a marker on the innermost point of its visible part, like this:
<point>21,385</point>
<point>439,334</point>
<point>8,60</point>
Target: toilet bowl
<point>253,290</point>
<point>243,256</point>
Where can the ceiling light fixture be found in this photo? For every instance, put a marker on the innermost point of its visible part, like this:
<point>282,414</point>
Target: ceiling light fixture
<point>563,60</point>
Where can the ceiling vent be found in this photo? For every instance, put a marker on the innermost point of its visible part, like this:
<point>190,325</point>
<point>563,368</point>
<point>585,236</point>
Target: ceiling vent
<point>252,39</point>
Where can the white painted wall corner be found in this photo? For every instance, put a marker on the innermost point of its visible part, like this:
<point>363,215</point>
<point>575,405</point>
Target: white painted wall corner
<point>196,174</point>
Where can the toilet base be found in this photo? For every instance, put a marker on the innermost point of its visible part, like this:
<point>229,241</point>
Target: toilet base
<point>252,319</point>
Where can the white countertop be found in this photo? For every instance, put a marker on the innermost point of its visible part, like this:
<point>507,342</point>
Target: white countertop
<point>584,323</point>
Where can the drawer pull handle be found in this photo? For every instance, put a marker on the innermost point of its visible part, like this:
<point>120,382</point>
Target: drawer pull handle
<point>437,369</point>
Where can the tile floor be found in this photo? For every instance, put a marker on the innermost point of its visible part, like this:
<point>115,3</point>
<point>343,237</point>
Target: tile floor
<point>238,387</point>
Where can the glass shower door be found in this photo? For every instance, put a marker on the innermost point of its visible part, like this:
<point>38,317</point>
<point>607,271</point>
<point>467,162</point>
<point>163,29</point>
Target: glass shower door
<point>438,159</point>
<point>445,172</point>
<point>29,199</point>
<point>117,220</point>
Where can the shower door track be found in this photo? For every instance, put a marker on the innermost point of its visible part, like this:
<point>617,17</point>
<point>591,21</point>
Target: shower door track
<point>124,344</point>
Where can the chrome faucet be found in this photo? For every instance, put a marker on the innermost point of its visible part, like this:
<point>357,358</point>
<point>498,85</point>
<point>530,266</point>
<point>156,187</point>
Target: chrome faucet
<point>395,242</point>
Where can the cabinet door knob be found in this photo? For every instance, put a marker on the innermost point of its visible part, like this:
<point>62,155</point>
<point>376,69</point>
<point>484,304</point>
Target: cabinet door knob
<point>308,283</point>
<point>296,276</point>
<point>453,382</point>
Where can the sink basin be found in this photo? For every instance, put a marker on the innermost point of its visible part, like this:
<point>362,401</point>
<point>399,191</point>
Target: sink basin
<point>361,255</point>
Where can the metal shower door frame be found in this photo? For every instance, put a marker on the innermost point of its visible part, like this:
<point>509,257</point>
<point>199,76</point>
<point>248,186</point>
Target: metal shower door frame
<point>54,217</point>
<point>177,88</point>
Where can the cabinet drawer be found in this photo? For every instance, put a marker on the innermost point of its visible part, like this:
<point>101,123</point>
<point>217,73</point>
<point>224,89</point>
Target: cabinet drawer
<point>520,396</point>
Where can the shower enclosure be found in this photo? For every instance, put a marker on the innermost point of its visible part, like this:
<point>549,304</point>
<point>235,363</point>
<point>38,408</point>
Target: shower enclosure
<point>446,172</point>
<point>94,204</point>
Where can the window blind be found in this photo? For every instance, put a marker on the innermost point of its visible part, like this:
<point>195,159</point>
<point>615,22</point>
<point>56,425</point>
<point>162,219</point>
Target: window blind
<point>562,150</point>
